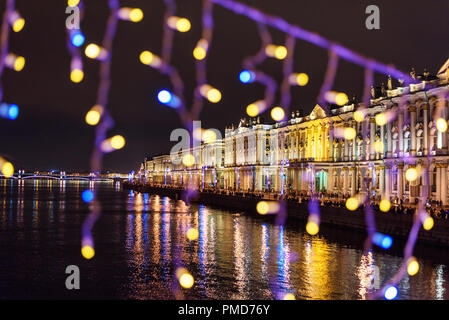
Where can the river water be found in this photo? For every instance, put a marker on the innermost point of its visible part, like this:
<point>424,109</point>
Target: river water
<point>140,239</point>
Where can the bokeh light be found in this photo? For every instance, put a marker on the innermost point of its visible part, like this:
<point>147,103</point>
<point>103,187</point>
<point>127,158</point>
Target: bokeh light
<point>413,266</point>
<point>384,205</point>
<point>312,228</point>
<point>87,196</point>
<point>441,125</point>
<point>87,252</point>
<point>411,174</point>
<point>349,133</point>
<point>277,114</point>
<point>352,203</point>
<point>428,223</point>
<point>188,160</point>
<point>382,240</point>
<point>77,75</point>
<point>391,292</point>
<point>192,234</point>
<point>246,76</point>
<point>381,119</point>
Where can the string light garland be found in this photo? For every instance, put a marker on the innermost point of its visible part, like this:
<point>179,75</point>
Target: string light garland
<point>12,20</point>
<point>99,116</point>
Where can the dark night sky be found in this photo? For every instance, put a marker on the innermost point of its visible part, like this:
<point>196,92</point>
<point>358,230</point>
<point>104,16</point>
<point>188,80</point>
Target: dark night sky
<point>51,133</point>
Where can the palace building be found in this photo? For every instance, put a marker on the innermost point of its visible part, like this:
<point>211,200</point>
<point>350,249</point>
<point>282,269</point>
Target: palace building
<point>308,153</point>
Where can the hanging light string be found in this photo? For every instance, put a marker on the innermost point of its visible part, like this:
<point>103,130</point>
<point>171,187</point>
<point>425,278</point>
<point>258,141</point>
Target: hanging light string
<point>251,74</point>
<point>12,20</point>
<point>100,116</point>
<point>75,39</point>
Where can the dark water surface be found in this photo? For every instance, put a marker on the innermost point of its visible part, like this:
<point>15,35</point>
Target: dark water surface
<point>139,236</point>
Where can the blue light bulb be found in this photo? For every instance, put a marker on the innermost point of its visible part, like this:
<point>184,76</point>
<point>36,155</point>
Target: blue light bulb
<point>78,39</point>
<point>13,112</point>
<point>391,292</point>
<point>164,96</point>
<point>169,99</point>
<point>87,196</point>
<point>382,240</point>
<point>246,76</point>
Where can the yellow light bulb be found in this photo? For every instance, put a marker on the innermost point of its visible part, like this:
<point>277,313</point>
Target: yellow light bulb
<point>77,75</point>
<point>213,95</point>
<point>209,136</point>
<point>73,3</point>
<point>117,142</point>
<point>341,99</point>
<point>352,204</point>
<point>88,252</point>
<point>19,63</point>
<point>18,25</point>
<point>384,205</point>
<point>349,133</point>
<point>277,114</point>
<point>411,174</point>
<point>93,117</point>
<point>92,51</point>
<point>192,234</point>
<point>252,110</point>
<point>280,52</point>
<point>378,147</point>
<point>146,57</point>
<point>413,266</point>
<point>381,119</point>
<point>441,125</point>
<point>199,53</point>
<point>7,169</point>
<point>262,207</point>
<point>428,223</point>
<point>188,160</point>
<point>359,116</point>
<point>302,79</point>
<point>135,15</point>
<point>186,280</point>
<point>183,25</point>
<point>289,296</point>
<point>312,228</point>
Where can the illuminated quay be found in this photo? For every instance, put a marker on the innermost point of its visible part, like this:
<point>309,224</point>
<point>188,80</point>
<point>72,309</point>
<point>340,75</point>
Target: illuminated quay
<point>301,156</point>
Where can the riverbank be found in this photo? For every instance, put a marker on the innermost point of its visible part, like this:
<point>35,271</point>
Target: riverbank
<point>393,224</point>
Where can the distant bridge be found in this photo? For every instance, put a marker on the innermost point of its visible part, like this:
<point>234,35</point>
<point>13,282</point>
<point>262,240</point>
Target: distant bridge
<point>63,177</point>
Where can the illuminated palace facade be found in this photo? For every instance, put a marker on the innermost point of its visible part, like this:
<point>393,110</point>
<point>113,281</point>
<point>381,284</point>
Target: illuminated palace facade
<point>300,156</point>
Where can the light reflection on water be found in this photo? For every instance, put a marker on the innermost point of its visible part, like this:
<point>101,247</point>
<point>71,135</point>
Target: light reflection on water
<point>141,238</point>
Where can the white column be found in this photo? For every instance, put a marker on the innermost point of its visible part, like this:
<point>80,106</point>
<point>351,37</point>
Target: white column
<point>401,181</point>
<point>426,125</point>
<point>412,110</point>
<point>401,128</point>
<point>372,133</point>
<point>444,184</point>
<point>438,183</point>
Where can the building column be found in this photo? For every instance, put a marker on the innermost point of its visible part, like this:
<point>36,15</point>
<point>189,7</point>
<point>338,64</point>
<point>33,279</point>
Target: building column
<point>387,192</point>
<point>354,141</point>
<point>381,181</point>
<point>401,181</point>
<point>331,144</point>
<point>444,183</point>
<point>353,181</point>
<point>400,129</point>
<point>372,133</point>
<point>345,180</point>
<point>426,125</point>
<point>389,147</point>
<point>382,141</point>
<point>438,182</point>
<point>412,110</point>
